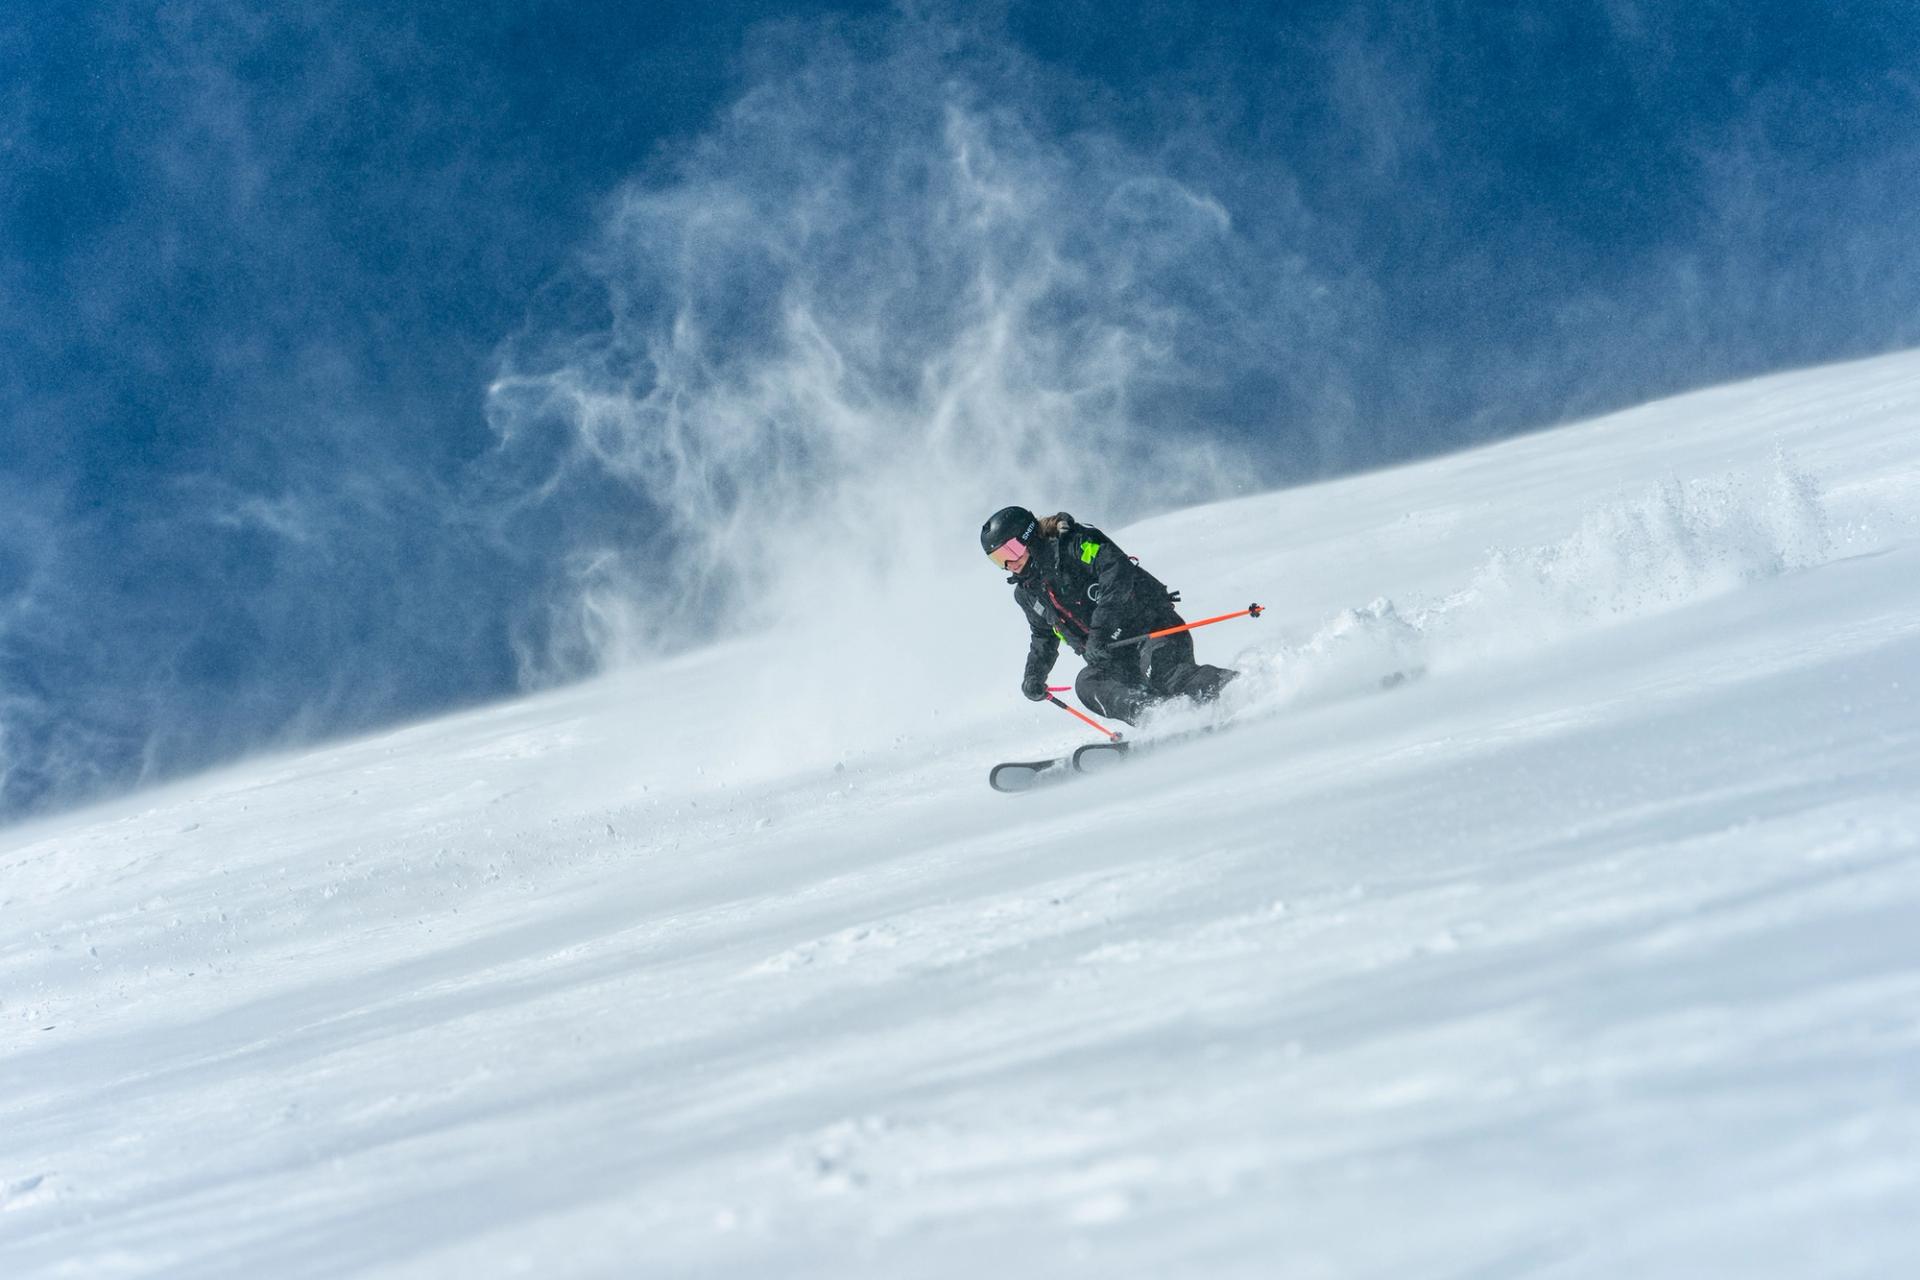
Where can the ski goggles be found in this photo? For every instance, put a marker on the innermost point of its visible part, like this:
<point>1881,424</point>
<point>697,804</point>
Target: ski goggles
<point>1007,552</point>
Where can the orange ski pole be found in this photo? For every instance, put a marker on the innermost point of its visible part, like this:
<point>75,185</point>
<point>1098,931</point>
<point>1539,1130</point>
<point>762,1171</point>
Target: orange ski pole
<point>1251,611</point>
<point>1082,717</point>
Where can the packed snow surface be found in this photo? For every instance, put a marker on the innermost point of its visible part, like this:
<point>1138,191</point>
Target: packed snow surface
<point>1592,951</point>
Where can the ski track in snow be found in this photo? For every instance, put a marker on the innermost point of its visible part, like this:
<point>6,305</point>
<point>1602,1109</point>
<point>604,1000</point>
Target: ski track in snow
<point>1588,953</point>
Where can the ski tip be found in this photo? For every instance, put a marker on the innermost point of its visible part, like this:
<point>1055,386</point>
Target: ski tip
<point>1096,756</point>
<point>1016,776</point>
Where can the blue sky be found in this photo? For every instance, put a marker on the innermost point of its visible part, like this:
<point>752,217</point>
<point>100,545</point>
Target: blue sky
<point>310,316</point>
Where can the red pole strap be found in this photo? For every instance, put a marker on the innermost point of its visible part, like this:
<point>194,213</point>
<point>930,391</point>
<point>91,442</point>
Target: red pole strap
<point>1086,719</point>
<point>1251,611</point>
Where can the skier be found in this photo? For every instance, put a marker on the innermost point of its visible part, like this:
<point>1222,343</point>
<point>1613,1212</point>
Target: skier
<point>1073,583</point>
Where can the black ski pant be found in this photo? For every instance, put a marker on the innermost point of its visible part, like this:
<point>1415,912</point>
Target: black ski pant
<point>1141,675</point>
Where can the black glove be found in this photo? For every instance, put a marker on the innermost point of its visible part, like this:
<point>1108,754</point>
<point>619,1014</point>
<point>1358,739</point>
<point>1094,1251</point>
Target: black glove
<point>1035,687</point>
<point>1095,652</point>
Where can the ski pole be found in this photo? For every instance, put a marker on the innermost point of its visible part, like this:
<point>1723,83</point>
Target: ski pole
<point>1081,716</point>
<point>1251,611</point>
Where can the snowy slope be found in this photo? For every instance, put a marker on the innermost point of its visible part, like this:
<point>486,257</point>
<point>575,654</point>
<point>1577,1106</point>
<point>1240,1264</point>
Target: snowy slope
<point>1592,953</point>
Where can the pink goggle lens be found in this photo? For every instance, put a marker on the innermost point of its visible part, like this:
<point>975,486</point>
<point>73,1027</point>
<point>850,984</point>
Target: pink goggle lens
<point>1007,552</point>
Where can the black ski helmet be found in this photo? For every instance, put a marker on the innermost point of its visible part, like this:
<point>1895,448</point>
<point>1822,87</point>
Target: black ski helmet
<point>1007,522</point>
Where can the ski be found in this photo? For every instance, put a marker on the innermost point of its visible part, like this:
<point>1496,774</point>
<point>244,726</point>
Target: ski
<point>1014,776</point>
<point>1098,757</point>
<point>1024,775</point>
<point>1093,757</point>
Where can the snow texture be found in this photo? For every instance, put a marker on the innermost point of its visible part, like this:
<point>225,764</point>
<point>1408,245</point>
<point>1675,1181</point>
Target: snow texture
<point>1590,953</point>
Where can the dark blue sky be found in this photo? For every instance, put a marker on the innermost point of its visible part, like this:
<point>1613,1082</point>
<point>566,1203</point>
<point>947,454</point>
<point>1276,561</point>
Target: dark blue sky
<point>260,265</point>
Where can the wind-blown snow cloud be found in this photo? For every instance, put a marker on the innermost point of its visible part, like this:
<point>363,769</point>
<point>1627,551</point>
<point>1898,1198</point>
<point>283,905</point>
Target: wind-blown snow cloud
<point>216,405</point>
<point>873,305</point>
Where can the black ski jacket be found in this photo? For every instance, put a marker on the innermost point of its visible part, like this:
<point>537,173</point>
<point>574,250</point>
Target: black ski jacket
<point>1080,582</point>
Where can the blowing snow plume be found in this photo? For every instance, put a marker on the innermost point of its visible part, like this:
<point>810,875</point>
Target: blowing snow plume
<point>870,307</point>
<point>1667,547</point>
